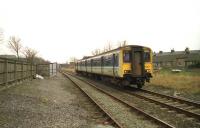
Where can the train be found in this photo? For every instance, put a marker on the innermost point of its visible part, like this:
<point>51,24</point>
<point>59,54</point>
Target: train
<point>124,66</point>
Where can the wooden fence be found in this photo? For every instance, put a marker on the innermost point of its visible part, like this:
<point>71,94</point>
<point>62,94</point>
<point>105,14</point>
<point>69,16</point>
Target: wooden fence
<point>14,70</point>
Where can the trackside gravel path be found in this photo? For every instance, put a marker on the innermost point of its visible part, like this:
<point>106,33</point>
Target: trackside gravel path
<point>48,103</point>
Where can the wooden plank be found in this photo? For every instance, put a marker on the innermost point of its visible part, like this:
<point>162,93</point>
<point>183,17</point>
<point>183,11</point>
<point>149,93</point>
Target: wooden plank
<point>6,72</point>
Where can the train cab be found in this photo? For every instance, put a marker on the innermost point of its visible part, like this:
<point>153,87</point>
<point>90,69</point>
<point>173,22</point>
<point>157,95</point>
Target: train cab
<point>137,65</point>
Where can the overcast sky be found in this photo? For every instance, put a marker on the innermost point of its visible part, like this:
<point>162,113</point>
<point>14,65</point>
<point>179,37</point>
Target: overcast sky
<point>60,29</point>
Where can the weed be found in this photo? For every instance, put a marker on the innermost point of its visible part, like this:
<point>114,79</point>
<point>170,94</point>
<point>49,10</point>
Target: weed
<point>187,80</point>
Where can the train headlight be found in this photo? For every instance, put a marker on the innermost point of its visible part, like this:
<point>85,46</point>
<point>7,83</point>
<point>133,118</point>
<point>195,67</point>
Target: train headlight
<point>147,70</point>
<point>127,71</point>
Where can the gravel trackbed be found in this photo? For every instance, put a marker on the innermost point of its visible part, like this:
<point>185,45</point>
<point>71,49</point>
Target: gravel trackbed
<point>51,103</point>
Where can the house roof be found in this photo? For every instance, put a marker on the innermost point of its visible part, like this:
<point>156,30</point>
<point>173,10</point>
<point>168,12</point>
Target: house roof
<point>193,55</point>
<point>8,56</point>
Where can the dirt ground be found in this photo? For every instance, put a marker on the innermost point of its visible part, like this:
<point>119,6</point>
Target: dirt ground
<point>49,103</point>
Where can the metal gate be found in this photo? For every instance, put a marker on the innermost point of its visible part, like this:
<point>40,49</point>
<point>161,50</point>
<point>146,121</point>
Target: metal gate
<point>48,69</point>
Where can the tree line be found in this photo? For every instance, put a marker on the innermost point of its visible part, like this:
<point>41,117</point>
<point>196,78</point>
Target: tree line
<point>15,45</point>
<point>109,46</point>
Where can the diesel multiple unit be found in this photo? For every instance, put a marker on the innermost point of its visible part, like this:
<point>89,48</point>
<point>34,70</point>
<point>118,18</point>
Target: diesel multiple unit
<point>126,65</point>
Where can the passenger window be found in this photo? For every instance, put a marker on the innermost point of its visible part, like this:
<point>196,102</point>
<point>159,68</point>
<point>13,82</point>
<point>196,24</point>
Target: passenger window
<point>146,56</point>
<point>108,61</point>
<point>127,56</point>
<point>88,63</point>
<point>102,61</point>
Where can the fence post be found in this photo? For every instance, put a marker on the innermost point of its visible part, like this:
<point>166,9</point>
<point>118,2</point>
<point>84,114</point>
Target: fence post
<point>52,69</point>
<point>35,69</point>
<point>31,71</point>
<point>15,70</point>
<point>22,70</point>
<point>26,71</point>
<point>56,68</point>
<point>6,72</point>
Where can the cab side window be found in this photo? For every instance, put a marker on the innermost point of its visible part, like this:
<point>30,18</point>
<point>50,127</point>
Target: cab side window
<point>127,56</point>
<point>146,56</point>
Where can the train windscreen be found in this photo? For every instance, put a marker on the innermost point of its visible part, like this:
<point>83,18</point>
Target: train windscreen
<point>147,56</point>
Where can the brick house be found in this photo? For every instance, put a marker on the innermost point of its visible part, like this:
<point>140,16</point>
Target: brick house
<point>176,59</point>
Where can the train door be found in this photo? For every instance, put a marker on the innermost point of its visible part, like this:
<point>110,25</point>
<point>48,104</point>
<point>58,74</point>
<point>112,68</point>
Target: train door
<point>102,64</point>
<point>91,65</point>
<point>113,64</point>
<point>86,65</point>
<point>76,65</point>
<point>80,65</point>
<point>137,63</point>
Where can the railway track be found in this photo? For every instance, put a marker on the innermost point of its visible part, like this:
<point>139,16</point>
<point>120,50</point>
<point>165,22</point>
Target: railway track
<point>94,101</point>
<point>118,122</point>
<point>183,106</point>
<point>185,101</point>
<point>187,107</point>
<point>178,111</point>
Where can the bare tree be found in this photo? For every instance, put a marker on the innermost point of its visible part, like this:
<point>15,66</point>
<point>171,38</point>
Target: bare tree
<point>30,54</point>
<point>96,52</point>
<point>187,50</point>
<point>122,43</point>
<point>15,45</point>
<point>73,59</point>
<point>172,50</point>
<point>109,46</point>
<point>105,49</point>
<point>39,60</point>
<point>119,44</point>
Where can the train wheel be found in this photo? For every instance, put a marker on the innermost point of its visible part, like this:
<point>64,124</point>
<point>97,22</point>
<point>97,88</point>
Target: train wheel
<point>139,86</point>
<point>140,83</point>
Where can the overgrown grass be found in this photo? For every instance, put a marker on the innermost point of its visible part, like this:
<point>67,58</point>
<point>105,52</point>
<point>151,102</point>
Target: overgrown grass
<point>186,72</point>
<point>186,80</point>
<point>68,69</point>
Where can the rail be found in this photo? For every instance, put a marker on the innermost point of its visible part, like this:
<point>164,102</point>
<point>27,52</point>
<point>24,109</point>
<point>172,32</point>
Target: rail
<point>162,103</point>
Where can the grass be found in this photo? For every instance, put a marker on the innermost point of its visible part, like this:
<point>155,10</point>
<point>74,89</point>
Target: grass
<point>4,120</point>
<point>68,69</point>
<point>187,80</point>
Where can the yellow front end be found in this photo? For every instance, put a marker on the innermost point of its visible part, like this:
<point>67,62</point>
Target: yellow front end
<point>136,71</point>
<point>148,66</point>
<point>125,68</point>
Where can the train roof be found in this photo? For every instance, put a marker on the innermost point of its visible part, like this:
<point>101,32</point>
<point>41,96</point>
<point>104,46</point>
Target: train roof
<point>88,57</point>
